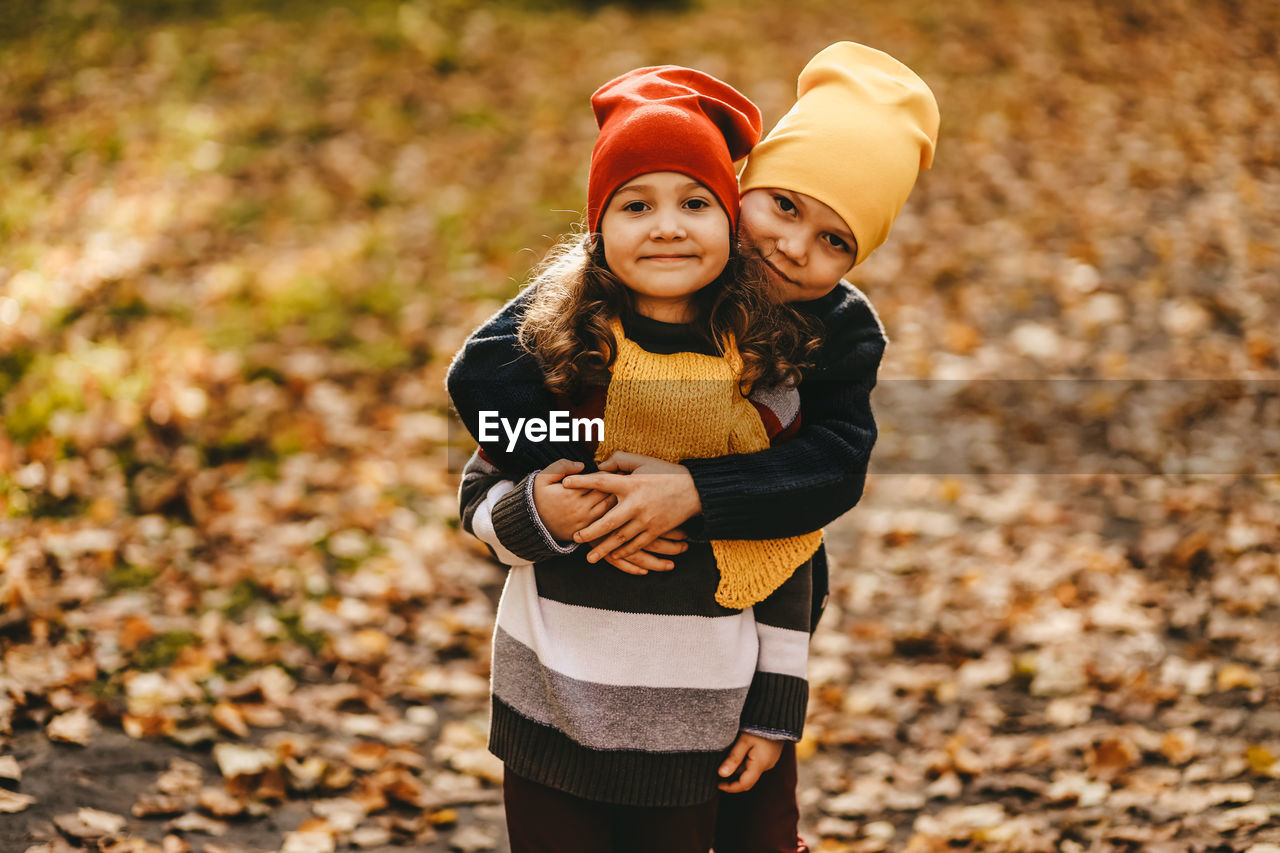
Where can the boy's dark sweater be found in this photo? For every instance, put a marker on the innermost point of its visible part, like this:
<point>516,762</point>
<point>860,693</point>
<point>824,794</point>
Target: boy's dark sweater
<point>787,490</point>
<point>791,489</point>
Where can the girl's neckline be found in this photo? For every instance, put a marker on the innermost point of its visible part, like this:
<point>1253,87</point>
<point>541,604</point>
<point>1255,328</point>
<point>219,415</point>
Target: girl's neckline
<point>640,324</point>
<point>659,336</point>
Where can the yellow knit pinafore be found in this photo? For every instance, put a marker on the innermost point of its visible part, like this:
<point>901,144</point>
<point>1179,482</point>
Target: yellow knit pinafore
<point>687,406</point>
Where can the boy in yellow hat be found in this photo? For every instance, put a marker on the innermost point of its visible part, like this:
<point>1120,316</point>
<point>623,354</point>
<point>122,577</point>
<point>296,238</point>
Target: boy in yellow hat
<point>819,194</point>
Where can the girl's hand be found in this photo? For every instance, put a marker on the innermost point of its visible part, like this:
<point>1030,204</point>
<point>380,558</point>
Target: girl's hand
<point>643,562</point>
<point>750,756</point>
<point>565,510</point>
<point>653,497</point>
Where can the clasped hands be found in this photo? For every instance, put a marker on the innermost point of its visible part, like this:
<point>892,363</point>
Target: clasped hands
<point>629,510</point>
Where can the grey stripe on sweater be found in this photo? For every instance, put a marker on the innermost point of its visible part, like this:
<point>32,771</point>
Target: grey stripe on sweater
<point>606,716</point>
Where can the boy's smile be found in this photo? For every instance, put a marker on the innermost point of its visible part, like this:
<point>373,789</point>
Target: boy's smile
<point>805,245</point>
<point>666,237</point>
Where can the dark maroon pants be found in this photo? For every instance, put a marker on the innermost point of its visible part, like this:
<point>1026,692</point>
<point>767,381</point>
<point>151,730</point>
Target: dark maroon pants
<point>544,820</point>
<point>762,820</point>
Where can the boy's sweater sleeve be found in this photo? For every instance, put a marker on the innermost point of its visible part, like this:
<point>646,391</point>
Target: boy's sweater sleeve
<point>779,693</point>
<point>493,373</point>
<point>800,485</point>
<point>500,512</point>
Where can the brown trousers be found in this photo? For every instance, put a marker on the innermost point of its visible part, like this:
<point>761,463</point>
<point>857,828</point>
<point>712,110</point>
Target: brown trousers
<point>762,820</point>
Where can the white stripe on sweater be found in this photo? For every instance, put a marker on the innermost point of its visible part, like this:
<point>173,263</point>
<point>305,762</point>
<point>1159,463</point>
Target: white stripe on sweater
<point>482,523</point>
<point>783,650</point>
<point>782,400</point>
<point>629,649</point>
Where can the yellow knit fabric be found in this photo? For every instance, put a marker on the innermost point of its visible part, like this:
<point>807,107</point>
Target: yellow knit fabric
<point>687,406</point>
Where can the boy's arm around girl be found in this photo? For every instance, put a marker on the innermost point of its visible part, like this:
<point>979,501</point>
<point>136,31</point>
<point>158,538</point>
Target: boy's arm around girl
<point>790,489</point>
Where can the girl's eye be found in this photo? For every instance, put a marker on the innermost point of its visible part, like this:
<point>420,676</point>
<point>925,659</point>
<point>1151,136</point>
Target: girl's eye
<point>635,207</point>
<point>697,204</point>
<point>784,204</point>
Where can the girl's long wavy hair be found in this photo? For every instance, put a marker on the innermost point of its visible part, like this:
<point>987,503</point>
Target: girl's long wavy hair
<point>576,295</point>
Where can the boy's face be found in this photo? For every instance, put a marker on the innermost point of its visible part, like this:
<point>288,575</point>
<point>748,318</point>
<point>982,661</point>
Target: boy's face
<point>666,237</point>
<point>806,246</point>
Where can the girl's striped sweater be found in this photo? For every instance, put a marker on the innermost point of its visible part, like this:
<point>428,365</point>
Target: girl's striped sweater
<point>629,689</point>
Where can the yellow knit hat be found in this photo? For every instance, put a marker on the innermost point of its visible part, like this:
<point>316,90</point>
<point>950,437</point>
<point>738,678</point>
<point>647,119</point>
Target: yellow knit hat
<point>862,127</point>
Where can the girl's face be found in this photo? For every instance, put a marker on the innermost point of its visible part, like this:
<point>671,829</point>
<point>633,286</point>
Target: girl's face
<point>806,246</point>
<point>665,237</point>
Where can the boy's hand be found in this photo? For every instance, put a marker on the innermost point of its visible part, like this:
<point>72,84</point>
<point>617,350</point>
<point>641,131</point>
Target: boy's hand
<point>654,497</point>
<point>563,510</point>
<point>750,756</point>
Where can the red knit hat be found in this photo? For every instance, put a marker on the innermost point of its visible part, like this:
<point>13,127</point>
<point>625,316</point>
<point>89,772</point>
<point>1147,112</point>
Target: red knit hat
<point>669,119</point>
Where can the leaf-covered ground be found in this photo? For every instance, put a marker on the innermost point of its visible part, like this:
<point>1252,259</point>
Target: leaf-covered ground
<point>238,247</point>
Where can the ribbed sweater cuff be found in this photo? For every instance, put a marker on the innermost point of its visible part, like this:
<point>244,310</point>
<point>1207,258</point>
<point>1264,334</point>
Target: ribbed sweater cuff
<point>520,529</point>
<point>736,504</point>
<point>728,507</point>
<point>775,706</point>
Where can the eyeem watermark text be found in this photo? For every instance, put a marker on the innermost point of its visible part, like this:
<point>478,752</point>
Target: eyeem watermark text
<point>557,426</point>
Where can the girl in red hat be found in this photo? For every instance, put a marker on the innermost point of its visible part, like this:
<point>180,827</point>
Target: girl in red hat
<point>623,705</point>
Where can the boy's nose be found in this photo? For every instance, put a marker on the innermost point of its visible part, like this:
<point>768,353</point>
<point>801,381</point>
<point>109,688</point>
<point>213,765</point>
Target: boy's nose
<point>792,247</point>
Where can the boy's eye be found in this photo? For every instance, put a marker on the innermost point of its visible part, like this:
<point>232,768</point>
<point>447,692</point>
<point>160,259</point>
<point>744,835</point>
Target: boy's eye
<point>784,204</point>
<point>635,207</point>
<point>697,204</point>
<point>835,242</point>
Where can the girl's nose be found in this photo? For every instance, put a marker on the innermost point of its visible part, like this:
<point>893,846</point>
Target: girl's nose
<point>667,226</point>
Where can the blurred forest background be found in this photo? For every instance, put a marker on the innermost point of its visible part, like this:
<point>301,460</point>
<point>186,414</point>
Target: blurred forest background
<point>239,242</point>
